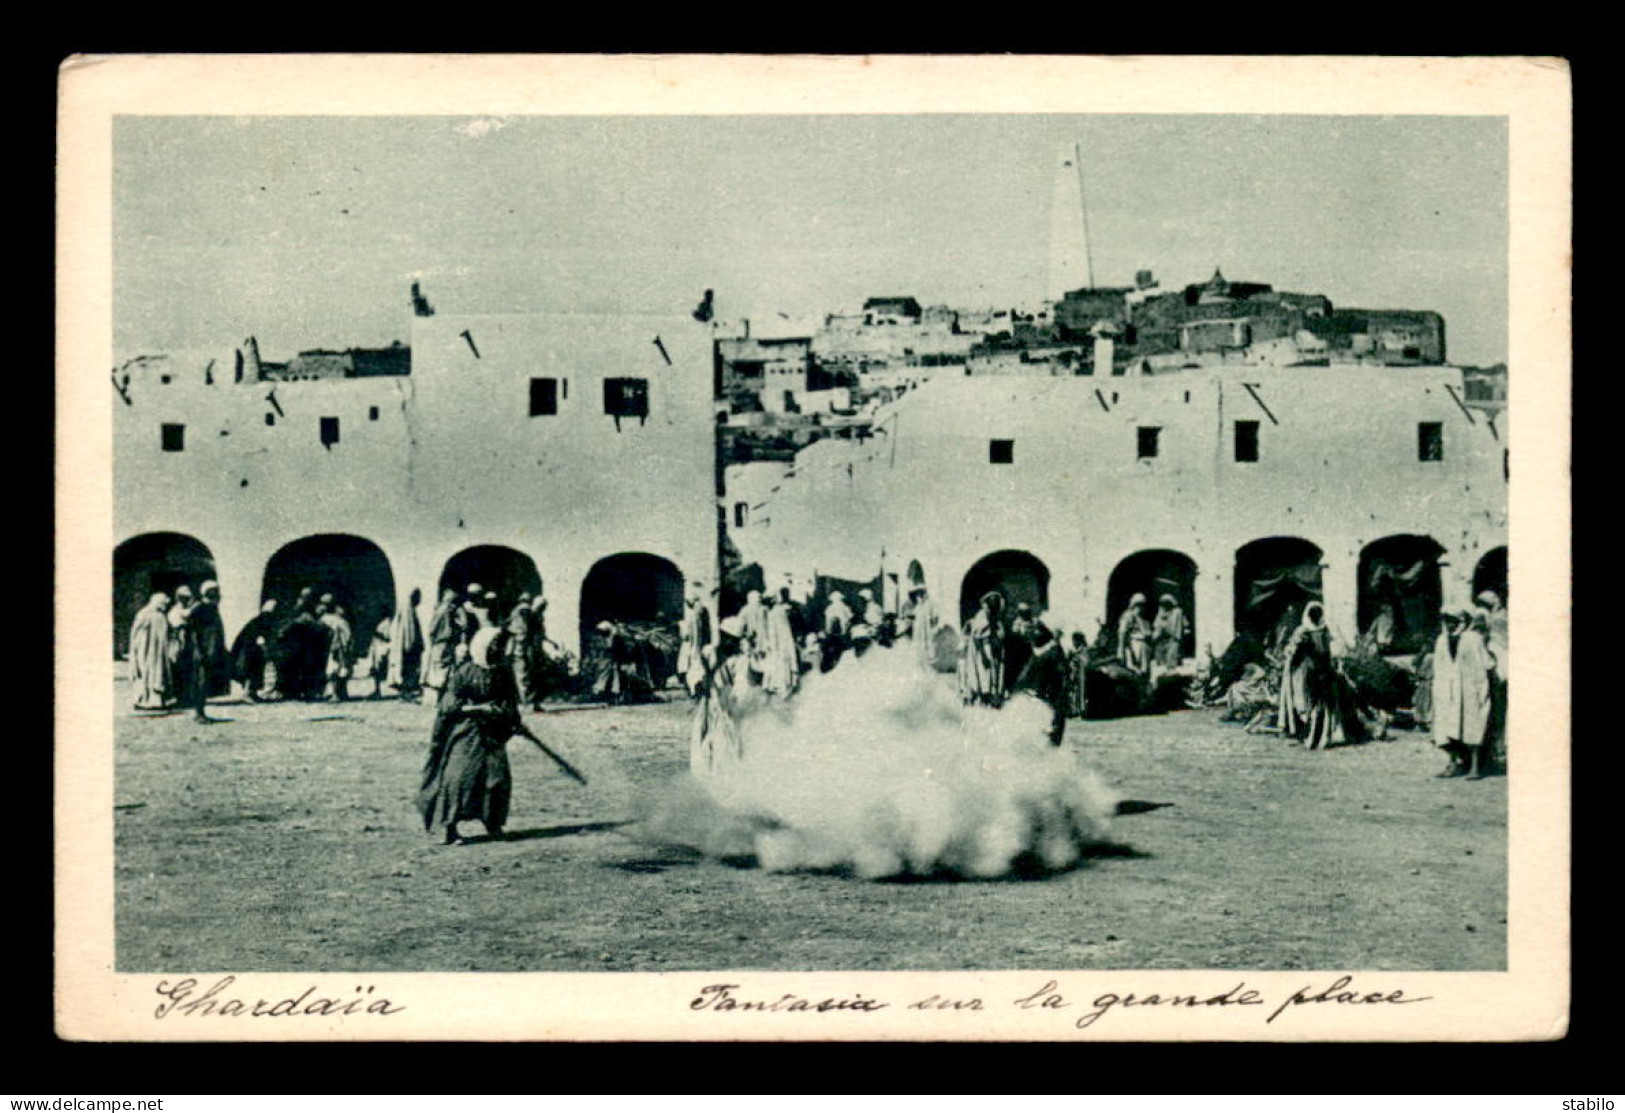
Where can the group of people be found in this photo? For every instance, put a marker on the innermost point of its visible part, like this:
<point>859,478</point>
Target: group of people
<point>1001,654</point>
<point>461,616</point>
<point>1149,648</point>
<point>178,654</point>
<point>1308,692</point>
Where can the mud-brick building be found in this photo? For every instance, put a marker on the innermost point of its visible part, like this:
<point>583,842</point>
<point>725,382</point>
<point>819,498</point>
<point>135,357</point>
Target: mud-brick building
<point>1242,491</point>
<point>571,454</point>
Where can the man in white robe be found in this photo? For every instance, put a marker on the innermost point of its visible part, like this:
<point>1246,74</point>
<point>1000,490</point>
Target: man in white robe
<point>149,654</point>
<point>1461,695</point>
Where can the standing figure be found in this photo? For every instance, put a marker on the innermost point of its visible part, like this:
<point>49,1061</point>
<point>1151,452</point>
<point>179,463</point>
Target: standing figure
<point>149,654</point>
<point>406,648</point>
<point>1461,695</point>
<point>473,616</point>
<point>1168,635</point>
<point>781,661</point>
<point>921,621</point>
<point>837,631</point>
<point>1078,676</point>
<point>340,665</point>
<point>873,614</point>
<point>1310,708</point>
<point>1493,627</point>
<point>1018,644</point>
<point>623,672</point>
<point>466,775</point>
<point>252,651</point>
<point>694,635</point>
<point>981,654</point>
<point>1046,676</point>
<point>445,631</point>
<point>753,629</point>
<point>379,654</point>
<point>191,684</point>
<point>210,634</point>
<point>306,651</point>
<point>715,742</point>
<point>1134,637</point>
<point>522,648</point>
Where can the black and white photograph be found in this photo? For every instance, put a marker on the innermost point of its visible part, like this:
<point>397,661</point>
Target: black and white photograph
<point>802,550</point>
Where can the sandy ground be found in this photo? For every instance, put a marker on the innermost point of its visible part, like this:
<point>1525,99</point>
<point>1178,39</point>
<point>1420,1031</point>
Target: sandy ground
<point>284,839</point>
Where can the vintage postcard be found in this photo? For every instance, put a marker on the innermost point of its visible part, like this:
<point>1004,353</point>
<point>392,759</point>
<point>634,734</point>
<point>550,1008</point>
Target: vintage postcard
<point>813,548</point>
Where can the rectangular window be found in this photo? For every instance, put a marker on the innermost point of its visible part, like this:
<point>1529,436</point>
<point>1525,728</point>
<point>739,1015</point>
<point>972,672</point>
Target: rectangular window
<point>1001,452</point>
<point>626,398</point>
<point>1247,442</point>
<point>1149,437</point>
<point>544,397</point>
<point>330,431</point>
<point>372,413</point>
<point>270,418</point>
<point>741,511</point>
<point>1430,441</point>
<point>174,437</point>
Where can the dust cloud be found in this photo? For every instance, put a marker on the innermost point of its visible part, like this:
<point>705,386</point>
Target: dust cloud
<point>878,769</point>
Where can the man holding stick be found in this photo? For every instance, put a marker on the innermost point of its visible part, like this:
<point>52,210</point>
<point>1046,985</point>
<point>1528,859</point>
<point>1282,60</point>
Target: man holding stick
<point>467,775</point>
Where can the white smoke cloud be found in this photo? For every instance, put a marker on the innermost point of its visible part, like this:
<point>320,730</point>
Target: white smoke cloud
<point>878,768</point>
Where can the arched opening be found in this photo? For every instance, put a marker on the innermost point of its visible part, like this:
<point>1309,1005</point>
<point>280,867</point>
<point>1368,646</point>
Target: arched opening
<point>153,562</point>
<point>354,570</point>
<point>1019,576</point>
<point>1154,573</point>
<point>640,590</point>
<point>1491,573</point>
<point>508,572</point>
<point>1400,593</point>
<point>1275,577</point>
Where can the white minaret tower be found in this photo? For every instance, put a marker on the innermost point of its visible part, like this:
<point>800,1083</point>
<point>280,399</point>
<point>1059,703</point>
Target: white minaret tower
<point>1070,267</point>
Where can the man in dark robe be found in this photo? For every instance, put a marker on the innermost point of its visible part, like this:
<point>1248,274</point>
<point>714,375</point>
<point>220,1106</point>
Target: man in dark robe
<point>250,652</point>
<point>466,775</point>
<point>185,662</point>
<point>209,632</point>
<point>302,653</point>
<point>1046,676</point>
<point>1018,644</point>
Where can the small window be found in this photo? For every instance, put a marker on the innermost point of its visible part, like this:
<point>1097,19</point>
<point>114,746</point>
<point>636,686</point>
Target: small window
<point>330,431</point>
<point>626,398</point>
<point>544,397</point>
<point>1412,352</point>
<point>1001,452</point>
<point>270,418</point>
<point>1148,441</point>
<point>372,413</point>
<point>741,513</point>
<point>1247,442</point>
<point>174,437</point>
<point>164,379</point>
<point>1430,441</point>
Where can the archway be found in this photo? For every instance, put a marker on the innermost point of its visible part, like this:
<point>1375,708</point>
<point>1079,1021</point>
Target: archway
<point>153,562</point>
<point>508,572</point>
<point>354,570</point>
<point>1155,573</point>
<point>640,589</point>
<point>1491,573</point>
<point>1400,575</point>
<point>1018,575</point>
<point>1275,577</point>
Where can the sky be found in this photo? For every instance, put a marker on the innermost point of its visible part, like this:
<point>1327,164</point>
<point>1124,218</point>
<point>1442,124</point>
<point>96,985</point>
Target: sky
<point>307,232</point>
